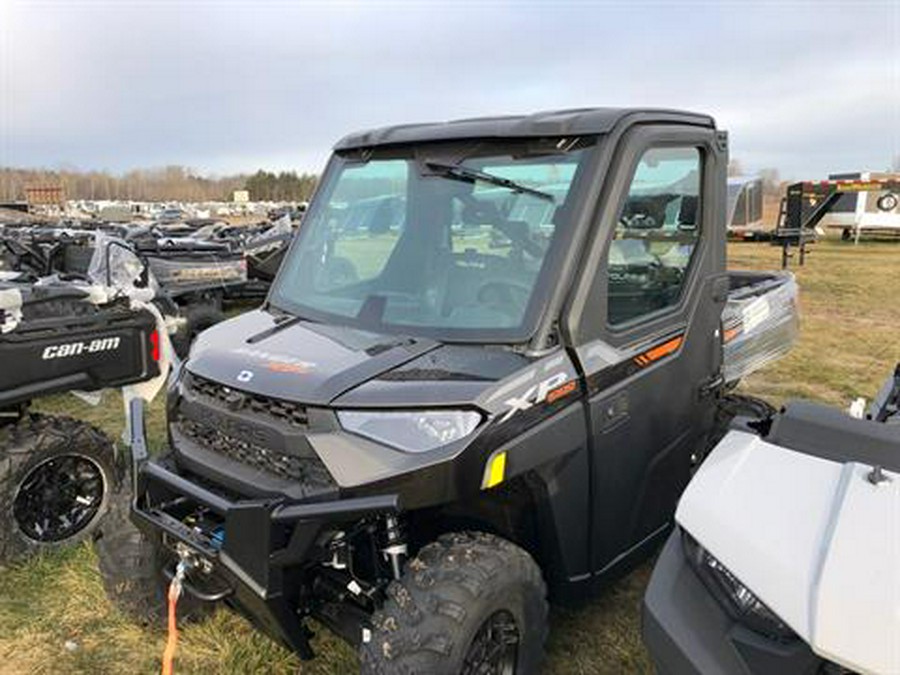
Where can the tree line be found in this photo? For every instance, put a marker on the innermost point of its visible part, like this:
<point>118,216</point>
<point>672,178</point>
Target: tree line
<point>170,183</point>
<point>286,186</point>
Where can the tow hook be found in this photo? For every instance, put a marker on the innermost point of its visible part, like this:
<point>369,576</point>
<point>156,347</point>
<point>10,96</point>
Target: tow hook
<point>191,563</point>
<point>176,586</point>
<point>396,550</point>
<point>187,560</point>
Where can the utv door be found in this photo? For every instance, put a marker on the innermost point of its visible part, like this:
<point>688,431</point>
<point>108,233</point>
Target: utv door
<point>653,346</point>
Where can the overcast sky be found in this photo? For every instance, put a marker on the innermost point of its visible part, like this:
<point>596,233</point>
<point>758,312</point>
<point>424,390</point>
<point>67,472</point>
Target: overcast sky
<point>809,88</point>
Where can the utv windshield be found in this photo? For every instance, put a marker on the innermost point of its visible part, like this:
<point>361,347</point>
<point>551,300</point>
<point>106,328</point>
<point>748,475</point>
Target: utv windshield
<point>452,242</point>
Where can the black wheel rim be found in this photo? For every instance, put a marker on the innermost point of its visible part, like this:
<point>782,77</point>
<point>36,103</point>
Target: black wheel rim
<point>59,498</point>
<point>494,649</point>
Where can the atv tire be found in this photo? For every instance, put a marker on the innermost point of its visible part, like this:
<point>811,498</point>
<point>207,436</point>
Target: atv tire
<point>197,319</point>
<point>469,603</point>
<point>131,568</point>
<point>57,478</point>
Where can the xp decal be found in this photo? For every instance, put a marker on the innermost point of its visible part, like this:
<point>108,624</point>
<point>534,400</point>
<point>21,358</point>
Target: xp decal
<point>554,386</point>
<point>69,349</point>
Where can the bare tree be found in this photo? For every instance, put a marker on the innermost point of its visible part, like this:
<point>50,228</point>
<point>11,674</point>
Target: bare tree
<point>771,181</point>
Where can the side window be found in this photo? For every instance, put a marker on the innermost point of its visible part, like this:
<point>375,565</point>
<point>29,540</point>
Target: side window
<point>656,235</point>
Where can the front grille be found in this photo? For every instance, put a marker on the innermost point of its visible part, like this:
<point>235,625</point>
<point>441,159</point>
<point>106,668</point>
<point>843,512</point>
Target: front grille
<point>309,471</point>
<point>293,414</point>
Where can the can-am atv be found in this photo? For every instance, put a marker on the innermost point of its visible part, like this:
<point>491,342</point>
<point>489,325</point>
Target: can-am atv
<point>485,371</point>
<point>58,475</point>
<point>787,550</point>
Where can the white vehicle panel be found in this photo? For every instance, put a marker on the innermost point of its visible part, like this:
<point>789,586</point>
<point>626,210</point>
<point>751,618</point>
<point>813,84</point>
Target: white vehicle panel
<point>857,613</point>
<point>813,539</point>
<point>764,512</point>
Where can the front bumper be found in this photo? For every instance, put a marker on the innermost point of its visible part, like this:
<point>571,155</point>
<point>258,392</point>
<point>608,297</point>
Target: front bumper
<point>257,549</point>
<point>687,632</point>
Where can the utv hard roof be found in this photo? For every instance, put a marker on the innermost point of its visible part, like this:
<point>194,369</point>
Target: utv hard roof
<point>575,122</point>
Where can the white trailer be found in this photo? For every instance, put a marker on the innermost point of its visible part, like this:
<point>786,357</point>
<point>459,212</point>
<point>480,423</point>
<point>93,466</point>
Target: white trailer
<point>745,208</point>
<point>855,214</point>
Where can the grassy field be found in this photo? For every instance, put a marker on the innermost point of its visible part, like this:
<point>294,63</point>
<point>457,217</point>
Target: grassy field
<point>54,617</point>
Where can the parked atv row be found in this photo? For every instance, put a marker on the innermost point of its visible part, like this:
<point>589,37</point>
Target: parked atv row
<point>200,267</point>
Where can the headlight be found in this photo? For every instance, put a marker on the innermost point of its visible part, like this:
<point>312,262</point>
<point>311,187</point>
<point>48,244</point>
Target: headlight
<point>738,600</point>
<point>412,431</point>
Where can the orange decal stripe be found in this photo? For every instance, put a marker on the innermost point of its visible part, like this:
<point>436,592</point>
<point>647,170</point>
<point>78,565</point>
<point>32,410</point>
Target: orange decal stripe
<point>562,390</point>
<point>658,352</point>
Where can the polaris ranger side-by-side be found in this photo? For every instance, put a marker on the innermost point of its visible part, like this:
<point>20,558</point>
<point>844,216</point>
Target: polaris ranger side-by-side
<point>484,372</point>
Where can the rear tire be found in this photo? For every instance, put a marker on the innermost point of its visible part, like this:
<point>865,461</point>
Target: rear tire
<point>57,477</point>
<point>469,603</point>
<point>131,568</point>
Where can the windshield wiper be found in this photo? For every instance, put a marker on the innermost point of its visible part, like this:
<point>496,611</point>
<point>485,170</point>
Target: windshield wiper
<point>284,318</point>
<point>471,175</point>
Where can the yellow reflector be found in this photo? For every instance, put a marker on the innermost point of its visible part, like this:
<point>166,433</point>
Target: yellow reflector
<point>496,469</point>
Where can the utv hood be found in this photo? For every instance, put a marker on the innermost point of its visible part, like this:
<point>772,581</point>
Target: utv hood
<point>814,538</point>
<point>320,364</point>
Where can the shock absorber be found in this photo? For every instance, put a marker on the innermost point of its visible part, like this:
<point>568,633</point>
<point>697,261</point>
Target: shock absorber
<point>396,549</point>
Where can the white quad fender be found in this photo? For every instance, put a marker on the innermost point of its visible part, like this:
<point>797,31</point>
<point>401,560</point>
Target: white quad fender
<point>817,541</point>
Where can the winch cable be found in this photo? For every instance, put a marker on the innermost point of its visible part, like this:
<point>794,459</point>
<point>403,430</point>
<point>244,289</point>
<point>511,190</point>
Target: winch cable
<point>175,590</point>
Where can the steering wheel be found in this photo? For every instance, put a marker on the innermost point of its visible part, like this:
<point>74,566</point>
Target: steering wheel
<point>639,221</point>
<point>487,212</point>
<point>340,271</point>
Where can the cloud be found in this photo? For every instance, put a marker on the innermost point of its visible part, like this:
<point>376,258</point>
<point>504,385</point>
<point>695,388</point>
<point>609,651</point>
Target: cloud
<point>225,86</point>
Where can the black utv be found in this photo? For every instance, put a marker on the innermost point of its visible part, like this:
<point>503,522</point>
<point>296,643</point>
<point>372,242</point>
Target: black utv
<point>480,380</point>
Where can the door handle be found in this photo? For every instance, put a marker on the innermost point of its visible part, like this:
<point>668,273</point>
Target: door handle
<point>613,411</point>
